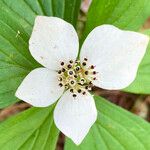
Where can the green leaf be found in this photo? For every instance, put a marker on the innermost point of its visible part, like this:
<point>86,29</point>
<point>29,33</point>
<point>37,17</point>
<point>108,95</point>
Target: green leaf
<point>30,130</point>
<point>115,129</point>
<point>125,14</point>
<point>16,22</point>
<point>141,84</point>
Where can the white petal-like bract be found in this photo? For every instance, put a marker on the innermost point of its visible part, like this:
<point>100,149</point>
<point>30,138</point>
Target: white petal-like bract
<point>113,55</point>
<point>53,40</point>
<point>40,88</point>
<point>75,116</point>
<point>116,55</point>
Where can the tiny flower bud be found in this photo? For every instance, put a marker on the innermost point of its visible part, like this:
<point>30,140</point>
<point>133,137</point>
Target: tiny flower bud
<point>63,69</point>
<point>71,72</point>
<point>85,59</point>
<point>86,87</point>
<point>92,67</point>
<point>59,72</point>
<point>79,90</point>
<point>62,63</point>
<point>72,82</point>
<point>77,68</point>
<point>75,76</point>
<point>94,72</point>
<point>84,93</point>
<point>84,63</point>
<point>86,72</point>
<point>71,61</point>
<point>60,84</point>
<point>82,81</point>
<point>74,95</point>
<point>71,90</point>
<point>69,66</point>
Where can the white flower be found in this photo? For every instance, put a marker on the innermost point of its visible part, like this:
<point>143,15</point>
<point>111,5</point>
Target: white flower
<point>109,59</point>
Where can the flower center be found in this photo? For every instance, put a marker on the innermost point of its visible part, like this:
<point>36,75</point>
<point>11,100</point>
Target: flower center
<point>76,76</point>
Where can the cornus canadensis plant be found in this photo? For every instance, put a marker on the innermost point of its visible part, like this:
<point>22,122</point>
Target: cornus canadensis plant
<point>109,58</point>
